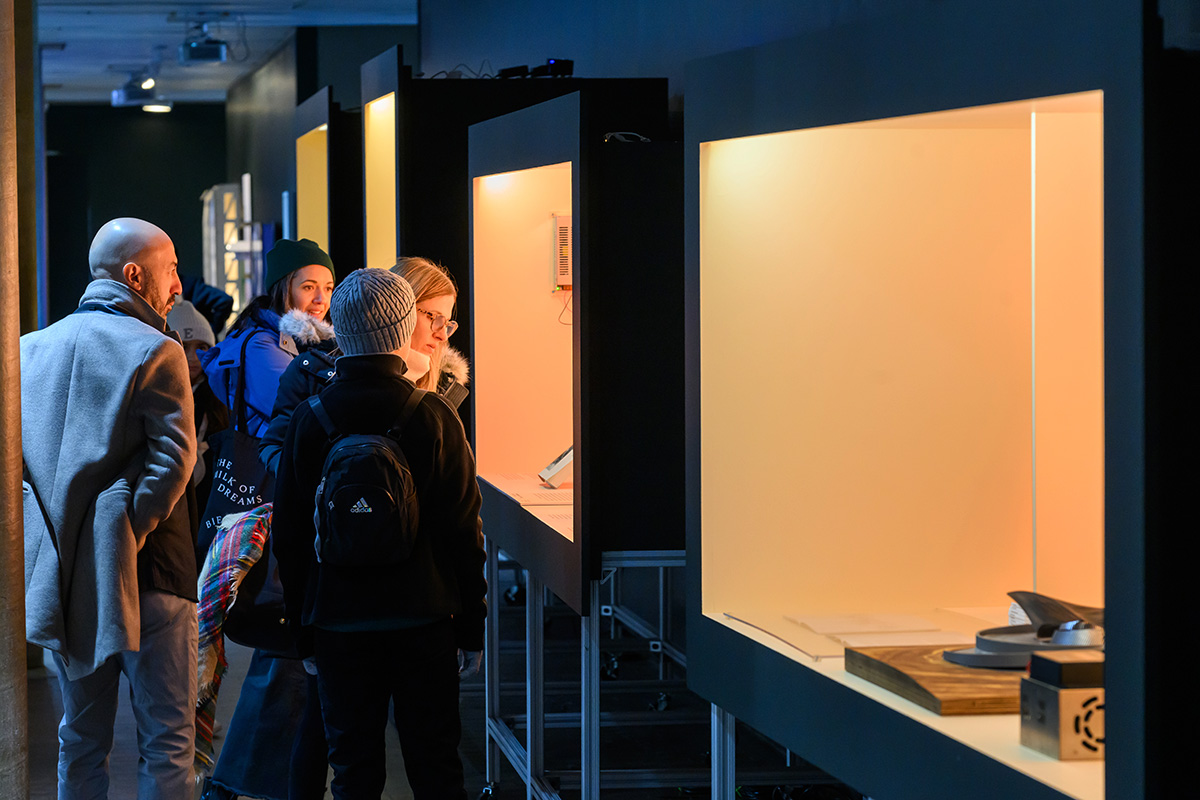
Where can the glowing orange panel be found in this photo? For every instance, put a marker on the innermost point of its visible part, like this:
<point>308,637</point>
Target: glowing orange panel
<point>919,303</point>
<point>523,350</point>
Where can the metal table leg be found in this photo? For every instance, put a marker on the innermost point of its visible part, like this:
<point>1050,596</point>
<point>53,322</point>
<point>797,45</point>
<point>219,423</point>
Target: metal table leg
<point>491,659</point>
<point>535,682</point>
<point>590,727</point>
<point>724,755</point>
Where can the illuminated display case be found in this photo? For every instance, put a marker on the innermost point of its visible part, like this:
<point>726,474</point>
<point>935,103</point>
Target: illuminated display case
<point>914,273</point>
<point>576,281</point>
<point>328,190</point>
<point>415,132</point>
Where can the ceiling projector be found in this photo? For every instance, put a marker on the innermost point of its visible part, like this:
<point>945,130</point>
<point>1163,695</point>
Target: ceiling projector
<point>131,94</point>
<point>201,48</point>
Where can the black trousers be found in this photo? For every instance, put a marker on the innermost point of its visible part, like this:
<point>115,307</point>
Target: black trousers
<point>415,668</point>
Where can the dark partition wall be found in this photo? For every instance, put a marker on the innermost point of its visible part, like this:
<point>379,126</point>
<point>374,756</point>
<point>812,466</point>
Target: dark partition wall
<point>1172,182</point>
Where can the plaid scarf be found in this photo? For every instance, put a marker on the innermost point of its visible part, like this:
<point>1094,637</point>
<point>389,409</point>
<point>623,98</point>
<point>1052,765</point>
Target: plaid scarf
<point>237,546</point>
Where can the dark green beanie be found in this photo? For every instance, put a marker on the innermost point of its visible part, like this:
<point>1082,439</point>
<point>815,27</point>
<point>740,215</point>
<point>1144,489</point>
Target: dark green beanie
<point>287,256</point>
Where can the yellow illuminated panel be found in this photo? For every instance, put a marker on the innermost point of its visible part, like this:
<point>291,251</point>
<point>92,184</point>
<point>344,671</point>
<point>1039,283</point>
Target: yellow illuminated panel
<point>523,352</point>
<point>312,186</point>
<point>379,165</point>
<point>919,302</point>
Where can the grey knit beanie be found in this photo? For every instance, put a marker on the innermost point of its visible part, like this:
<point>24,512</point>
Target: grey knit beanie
<point>373,311</point>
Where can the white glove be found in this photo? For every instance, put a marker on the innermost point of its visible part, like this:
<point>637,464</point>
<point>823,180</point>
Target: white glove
<point>469,662</point>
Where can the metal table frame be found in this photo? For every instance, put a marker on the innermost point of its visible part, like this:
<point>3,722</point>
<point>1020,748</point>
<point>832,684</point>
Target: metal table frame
<point>527,757</point>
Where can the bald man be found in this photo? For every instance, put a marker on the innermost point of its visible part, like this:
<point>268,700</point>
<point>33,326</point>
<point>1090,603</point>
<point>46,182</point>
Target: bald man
<point>110,568</point>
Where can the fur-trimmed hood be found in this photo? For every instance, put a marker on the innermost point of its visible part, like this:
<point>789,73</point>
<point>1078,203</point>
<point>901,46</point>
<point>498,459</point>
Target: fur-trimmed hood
<point>455,364</point>
<point>305,329</point>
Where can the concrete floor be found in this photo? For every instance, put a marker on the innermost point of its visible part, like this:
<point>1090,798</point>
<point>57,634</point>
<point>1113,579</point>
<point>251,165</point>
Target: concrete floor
<point>674,741</point>
<point>45,710</point>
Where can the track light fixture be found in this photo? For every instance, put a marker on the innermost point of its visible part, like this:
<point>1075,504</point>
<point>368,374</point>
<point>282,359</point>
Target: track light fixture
<point>139,91</point>
<point>132,93</point>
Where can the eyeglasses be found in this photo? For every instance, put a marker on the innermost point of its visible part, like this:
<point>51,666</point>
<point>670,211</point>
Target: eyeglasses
<point>437,322</point>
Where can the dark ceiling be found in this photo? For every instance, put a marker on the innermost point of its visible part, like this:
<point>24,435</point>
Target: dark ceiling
<point>90,47</point>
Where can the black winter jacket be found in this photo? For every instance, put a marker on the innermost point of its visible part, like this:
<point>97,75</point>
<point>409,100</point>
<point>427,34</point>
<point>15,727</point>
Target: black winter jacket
<point>314,369</point>
<point>443,576</point>
<point>309,373</point>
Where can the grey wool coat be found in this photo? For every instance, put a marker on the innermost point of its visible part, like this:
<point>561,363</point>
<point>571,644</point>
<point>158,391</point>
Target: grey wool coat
<point>109,443</point>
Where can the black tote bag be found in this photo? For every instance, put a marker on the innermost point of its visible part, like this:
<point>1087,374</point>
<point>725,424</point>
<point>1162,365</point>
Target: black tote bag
<point>242,482</point>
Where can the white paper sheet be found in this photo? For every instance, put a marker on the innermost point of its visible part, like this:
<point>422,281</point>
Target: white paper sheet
<point>905,639</point>
<point>527,489</point>
<point>863,623</point>
<point>560,518</point>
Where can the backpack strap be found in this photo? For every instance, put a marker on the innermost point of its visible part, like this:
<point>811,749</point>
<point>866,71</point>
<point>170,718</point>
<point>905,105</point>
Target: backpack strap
<point>331,430</point>
<point>323,417</point>
<point>406,413</point>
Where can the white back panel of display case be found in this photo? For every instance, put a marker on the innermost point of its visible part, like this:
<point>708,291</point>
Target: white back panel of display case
<point>920,303</point>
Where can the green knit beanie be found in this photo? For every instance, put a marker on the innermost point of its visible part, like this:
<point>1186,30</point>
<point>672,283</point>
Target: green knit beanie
<point>288,256</point>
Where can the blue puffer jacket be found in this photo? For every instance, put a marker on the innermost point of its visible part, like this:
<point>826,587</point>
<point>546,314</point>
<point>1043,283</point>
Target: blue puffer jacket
<point>273,342</point>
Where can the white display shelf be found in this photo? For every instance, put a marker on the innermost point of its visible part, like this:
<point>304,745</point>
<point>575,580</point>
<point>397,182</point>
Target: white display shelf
<point>996,736</point>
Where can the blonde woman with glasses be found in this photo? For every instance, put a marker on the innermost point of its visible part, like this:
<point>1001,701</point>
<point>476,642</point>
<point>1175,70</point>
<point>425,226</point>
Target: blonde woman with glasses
<point>433,363</point>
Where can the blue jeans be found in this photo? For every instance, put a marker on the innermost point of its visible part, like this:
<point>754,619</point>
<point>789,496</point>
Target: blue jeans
<point>255,756</point>
<point>162,690</point>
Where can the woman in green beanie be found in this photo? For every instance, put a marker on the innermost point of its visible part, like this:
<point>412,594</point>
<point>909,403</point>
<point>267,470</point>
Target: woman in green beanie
<point>290,317</point>
<point>263,340</point>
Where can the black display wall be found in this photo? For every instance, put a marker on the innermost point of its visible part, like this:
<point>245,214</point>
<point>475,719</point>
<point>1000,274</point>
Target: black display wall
<point>341,51</point>
<point>261,107</point>
<point>259,110</point>
<point>1173,180</point>
<point>107,162</point>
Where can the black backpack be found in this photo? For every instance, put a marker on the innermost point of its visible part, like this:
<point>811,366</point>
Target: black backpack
<point>366,504</point>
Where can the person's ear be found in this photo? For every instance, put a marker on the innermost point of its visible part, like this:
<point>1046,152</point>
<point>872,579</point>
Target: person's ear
<point>133,275</point>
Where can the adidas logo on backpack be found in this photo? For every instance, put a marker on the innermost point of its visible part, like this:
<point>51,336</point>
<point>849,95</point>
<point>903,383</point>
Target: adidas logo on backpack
<point>366,503</point>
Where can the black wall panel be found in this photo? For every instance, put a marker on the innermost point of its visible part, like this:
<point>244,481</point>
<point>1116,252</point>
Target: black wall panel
<point>107,162</point>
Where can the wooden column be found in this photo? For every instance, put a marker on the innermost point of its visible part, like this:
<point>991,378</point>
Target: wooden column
<point>28,108</point>
<point>14,711</point>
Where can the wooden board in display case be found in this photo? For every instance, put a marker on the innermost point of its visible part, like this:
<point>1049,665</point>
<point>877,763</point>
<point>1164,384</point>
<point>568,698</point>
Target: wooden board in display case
<point>595,364</point>
<point>924,241</point>
<point>921,675</point>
